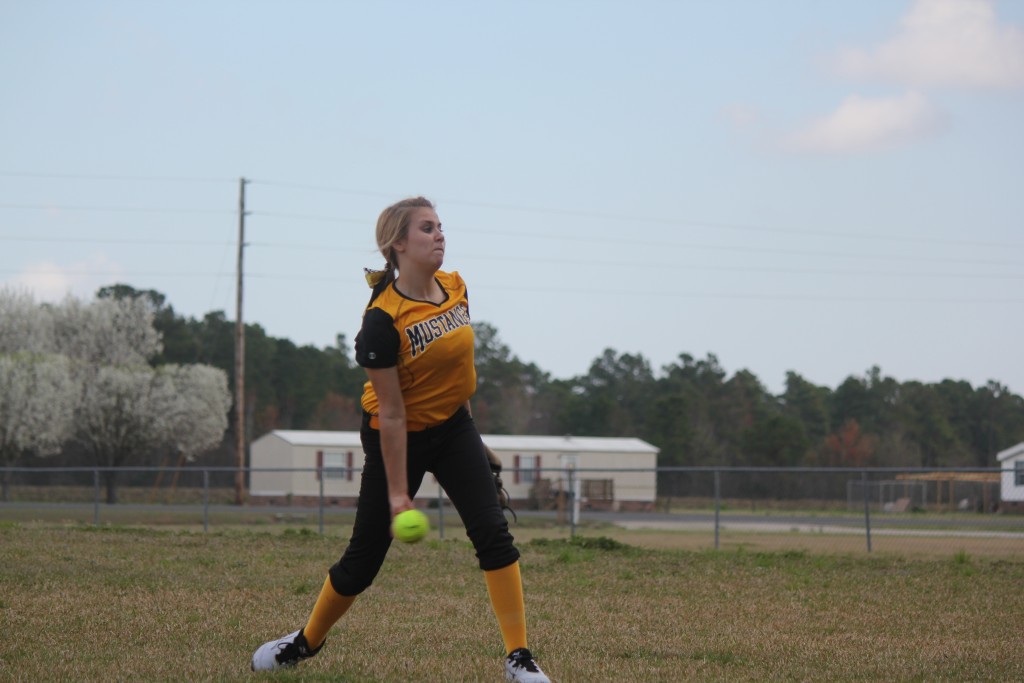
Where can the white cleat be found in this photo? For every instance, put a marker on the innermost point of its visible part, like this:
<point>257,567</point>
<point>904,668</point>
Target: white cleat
<point>521,668</point>
<point>283,652</point>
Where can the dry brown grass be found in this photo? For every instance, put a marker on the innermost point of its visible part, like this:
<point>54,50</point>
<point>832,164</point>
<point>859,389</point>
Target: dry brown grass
<point>116,604</point>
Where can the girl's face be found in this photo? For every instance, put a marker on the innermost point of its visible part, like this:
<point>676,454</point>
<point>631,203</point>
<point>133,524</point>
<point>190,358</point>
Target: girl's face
<point>423,244</point>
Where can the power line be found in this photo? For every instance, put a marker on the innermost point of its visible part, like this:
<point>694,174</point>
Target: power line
<point>686,267</point>
<point>112,240</point>
<point>589,240</point>
<point>340,279</point>
<point>322,188</point>
<point>585,262</point>
<point>112,209</point>
<point>306,217</point>
<point>115,273</point>
<point>117,178</point>
<point>665,221</point>
<point>661,245</point>
<point>689,222</point>
<point>760,229</point>
<point>661,292</point>
<point>744,227</point>
<point>777,250</point>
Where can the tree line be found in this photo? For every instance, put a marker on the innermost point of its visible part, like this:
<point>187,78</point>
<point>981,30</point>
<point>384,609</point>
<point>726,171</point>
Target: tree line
<point>695,412</point>
<point>691,409</point>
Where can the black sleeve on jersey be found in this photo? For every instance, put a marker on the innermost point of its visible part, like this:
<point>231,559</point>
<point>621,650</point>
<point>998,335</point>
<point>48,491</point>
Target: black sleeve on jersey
<point>377,343</point>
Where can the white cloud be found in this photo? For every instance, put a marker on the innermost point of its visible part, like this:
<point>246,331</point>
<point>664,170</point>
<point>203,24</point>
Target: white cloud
<point>862,124</point>
<point>51,282</point>
<point>945,43</point>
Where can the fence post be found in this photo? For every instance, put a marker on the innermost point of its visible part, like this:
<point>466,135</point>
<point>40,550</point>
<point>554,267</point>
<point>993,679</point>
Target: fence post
<point>321,502</point>
<point>440,511</point>
<point>206,501</point>
<point>718,498</point>
<point>96,497</point>
<point>867,507</point>
<point>575,503</point>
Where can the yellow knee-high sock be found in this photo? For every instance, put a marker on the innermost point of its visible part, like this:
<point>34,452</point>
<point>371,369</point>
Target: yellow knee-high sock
<point>505,586</point>
<point>329,607</point>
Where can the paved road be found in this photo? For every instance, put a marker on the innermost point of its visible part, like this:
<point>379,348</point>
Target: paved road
<point>995,522</point>
<point>882,525</point>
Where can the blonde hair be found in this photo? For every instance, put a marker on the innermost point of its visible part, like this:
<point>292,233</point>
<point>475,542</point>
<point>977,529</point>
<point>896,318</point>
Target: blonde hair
<point>392,227</point>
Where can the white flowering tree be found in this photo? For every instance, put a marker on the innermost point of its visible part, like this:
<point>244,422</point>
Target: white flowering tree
<point>104,331</point>
<point>81,370</point>
<point>198,416</point>
<point>130,410</point>
<point>37,401</point>
<point>23,325</point>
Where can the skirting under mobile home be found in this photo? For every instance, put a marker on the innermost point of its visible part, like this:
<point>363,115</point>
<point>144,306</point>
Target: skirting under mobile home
<point>1011,490</point>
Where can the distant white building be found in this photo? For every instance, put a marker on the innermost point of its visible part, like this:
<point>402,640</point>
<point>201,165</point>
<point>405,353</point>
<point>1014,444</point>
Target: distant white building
<point>288,465</point>
<point>612,473</point>
<point>1011,488</point>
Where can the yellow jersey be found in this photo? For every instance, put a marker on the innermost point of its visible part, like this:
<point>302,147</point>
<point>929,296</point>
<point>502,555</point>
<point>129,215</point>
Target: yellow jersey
<point>430,344</point>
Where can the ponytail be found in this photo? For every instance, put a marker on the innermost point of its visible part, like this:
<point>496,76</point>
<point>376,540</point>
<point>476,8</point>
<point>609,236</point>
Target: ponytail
<point>378,280</point>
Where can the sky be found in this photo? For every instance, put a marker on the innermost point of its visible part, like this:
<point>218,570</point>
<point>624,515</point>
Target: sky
<point>790,185</point>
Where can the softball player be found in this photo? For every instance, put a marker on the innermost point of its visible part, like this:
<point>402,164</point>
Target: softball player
<point>416,344</point>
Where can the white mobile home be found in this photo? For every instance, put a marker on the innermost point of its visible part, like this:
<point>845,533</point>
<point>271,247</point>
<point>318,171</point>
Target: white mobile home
<point>289,465</point>
<point>1011,489</point>
<point>613,473</point>
<point>609,473</point>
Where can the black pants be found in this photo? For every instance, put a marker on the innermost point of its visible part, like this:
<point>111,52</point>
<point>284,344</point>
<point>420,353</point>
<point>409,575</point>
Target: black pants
<point>452,452</point>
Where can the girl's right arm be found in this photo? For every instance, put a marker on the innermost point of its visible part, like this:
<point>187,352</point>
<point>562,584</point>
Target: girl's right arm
<point>393,435</point>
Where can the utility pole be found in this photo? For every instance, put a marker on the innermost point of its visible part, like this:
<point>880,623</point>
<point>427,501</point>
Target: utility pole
<point>240,356</point>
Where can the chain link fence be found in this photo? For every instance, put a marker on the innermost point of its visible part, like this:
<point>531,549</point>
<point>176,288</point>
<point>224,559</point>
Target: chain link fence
<point>929,511</point>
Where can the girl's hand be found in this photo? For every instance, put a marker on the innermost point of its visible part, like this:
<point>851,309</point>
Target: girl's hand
<point>399,503</point>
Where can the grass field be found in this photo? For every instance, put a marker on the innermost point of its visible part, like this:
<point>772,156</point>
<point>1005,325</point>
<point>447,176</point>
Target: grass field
<point>81,603</point>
